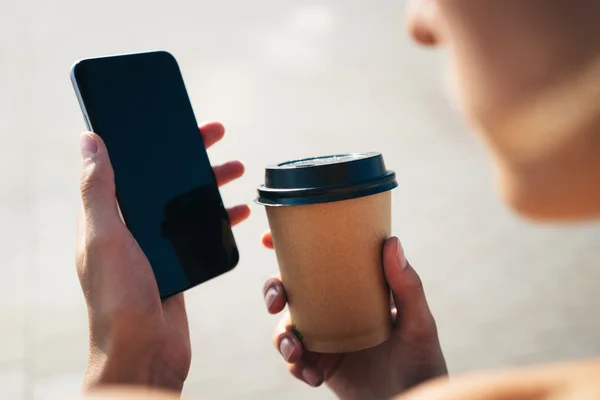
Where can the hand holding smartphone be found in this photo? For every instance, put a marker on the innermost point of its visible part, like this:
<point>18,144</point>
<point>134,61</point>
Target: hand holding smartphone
<point>165,185</point>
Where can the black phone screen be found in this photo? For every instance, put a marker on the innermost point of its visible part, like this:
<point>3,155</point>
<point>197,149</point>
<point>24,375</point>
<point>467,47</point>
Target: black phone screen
<point>166,189</point>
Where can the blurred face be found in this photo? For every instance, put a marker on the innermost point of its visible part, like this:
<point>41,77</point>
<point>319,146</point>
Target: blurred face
<point>527,76</point>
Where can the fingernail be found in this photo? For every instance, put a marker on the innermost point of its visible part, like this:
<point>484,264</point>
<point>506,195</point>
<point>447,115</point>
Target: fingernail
<point>312,377</point>
<point>287,348</point>
<point>271,295</point>
<point>89,146</point>
<point>400,254</point>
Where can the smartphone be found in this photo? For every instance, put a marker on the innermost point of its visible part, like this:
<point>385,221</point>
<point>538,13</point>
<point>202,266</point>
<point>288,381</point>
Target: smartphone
<point>166,189</point>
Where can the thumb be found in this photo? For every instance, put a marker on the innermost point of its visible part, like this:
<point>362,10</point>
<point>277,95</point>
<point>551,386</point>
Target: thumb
<point>97,182</point>
<point>413,315</point>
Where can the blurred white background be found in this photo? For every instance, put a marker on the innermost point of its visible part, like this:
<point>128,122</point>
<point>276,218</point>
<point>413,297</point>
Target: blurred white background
<point>288,79</point>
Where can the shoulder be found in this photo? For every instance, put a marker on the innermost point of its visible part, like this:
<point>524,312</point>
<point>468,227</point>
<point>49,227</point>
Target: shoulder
<point>567,381</point>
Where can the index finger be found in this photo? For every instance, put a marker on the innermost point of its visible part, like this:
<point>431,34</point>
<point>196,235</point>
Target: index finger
<point>211,133</point>
<point>274,295</point>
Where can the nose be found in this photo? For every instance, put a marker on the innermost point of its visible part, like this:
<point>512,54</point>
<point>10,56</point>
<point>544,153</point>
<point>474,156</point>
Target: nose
<point>422,20</point>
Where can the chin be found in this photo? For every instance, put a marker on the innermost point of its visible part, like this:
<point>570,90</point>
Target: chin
<point>532,209</point>
<point>552,203</point>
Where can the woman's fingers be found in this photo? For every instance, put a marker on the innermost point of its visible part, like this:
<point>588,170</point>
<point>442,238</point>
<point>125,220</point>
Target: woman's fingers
<point>312,368</point>
<point>238,214</point>
<point>228,172</point>
<point>267,241</point>
<point>315,368</point>
<point>211,133</point>
<point>274,295</point>
<point>306,373</point>
<point>286,342</point>
<point>414,319</point>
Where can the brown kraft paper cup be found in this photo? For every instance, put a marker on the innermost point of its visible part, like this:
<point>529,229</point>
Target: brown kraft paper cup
<point>330,257</point>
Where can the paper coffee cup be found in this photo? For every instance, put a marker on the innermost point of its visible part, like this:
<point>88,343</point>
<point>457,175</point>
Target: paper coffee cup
<point>330,217</point>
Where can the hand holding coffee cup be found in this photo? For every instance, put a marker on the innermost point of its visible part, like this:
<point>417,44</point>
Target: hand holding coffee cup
<point>412,354</point>
<point>330,217</point>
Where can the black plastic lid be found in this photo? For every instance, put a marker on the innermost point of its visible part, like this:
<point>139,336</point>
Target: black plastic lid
<point>325,179</point>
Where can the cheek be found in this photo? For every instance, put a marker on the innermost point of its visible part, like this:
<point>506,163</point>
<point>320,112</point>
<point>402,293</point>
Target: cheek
<point>525,77</point>
<point>526,83</point>
<point>544,142</point>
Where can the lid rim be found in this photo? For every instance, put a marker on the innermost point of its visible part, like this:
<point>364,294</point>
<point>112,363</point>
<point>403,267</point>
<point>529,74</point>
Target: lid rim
<point>307,192</point>
<point>325,179</point>
<point>325,198</point>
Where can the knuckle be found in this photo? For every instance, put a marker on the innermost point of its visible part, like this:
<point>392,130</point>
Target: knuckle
<point>429,329</point>
<point>80,256</point>
<point>422,331</point>
<point>292,369</point>
<point>92,252</point>
<point>81,267</point>
<point>99,242</point>
<point>416,283</point>
<point>91,179</point>
<point>284,327</point>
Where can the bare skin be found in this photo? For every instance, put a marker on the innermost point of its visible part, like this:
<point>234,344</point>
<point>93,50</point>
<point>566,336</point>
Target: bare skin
<point>525,76</point>
<point>130,393</point>
<point>567,381</point>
